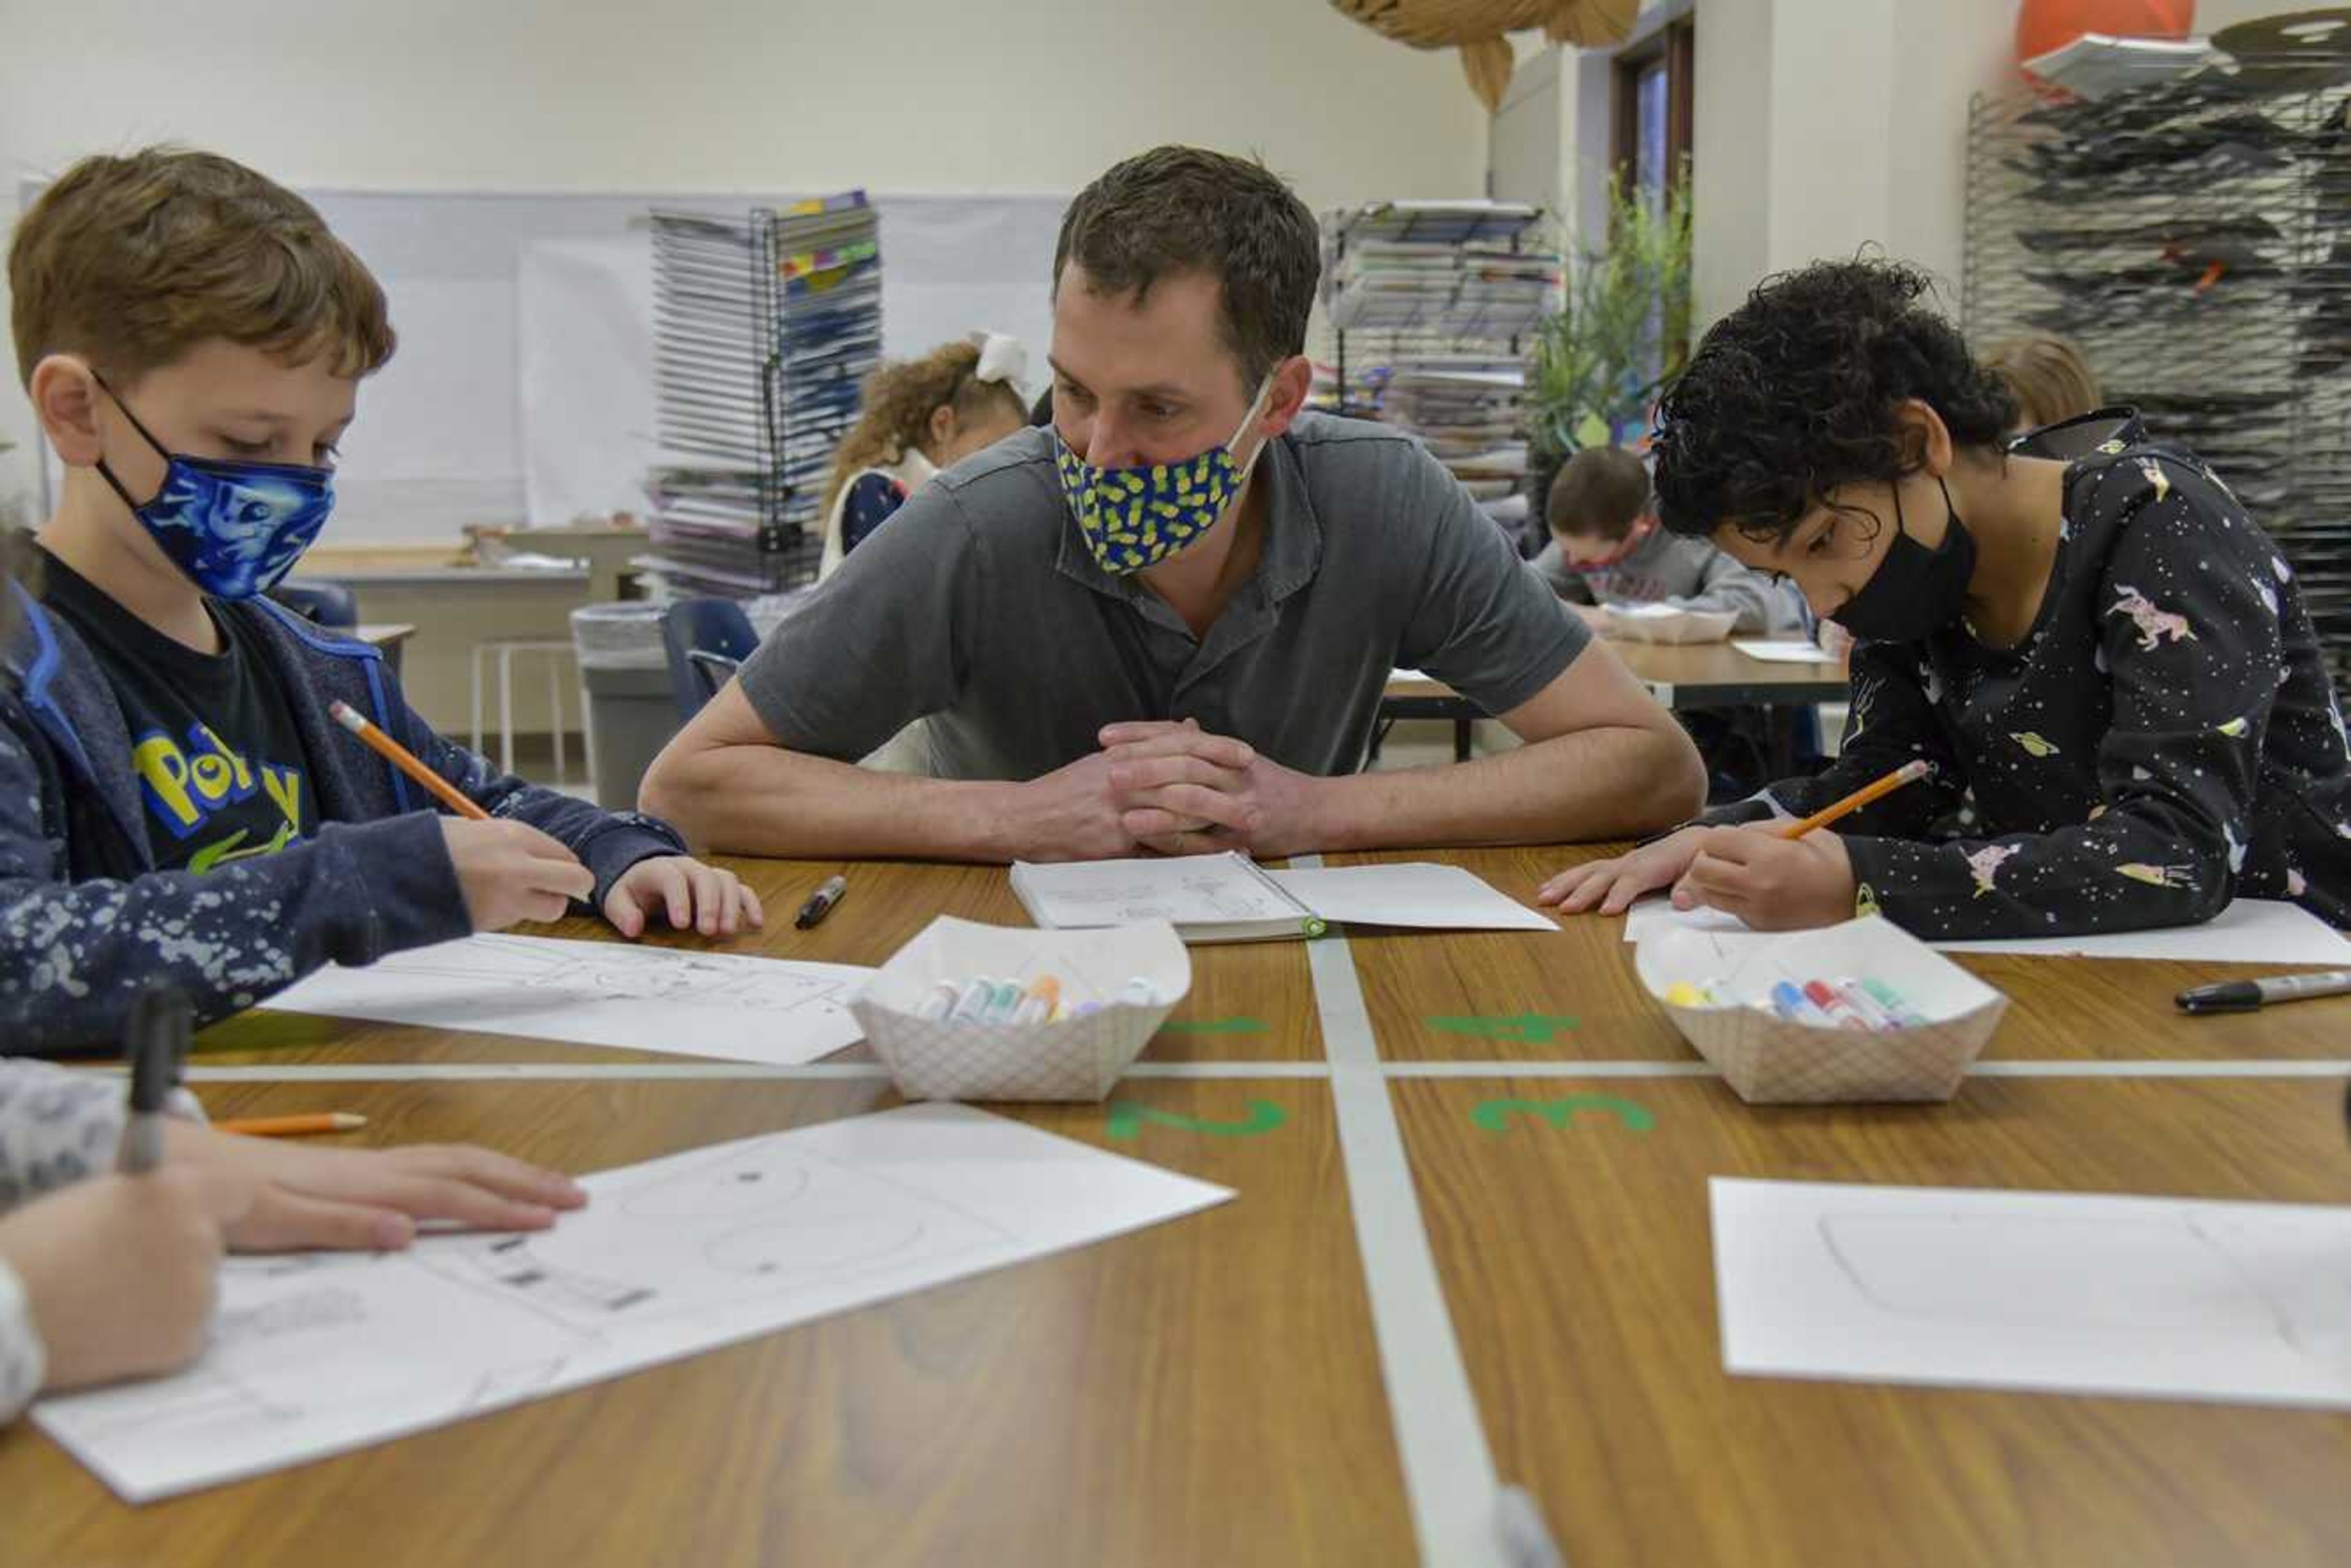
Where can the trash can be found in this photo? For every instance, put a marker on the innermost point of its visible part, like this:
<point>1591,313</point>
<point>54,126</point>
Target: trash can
<point>624,677</point>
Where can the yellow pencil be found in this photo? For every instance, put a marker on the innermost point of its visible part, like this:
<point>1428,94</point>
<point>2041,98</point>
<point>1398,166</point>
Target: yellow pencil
<point>294,1126</point>
<point>1908,773</point>
<point>399,756</point>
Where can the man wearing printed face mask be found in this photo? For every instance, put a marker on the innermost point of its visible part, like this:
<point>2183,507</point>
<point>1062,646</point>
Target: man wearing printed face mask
<point>1165,622</point>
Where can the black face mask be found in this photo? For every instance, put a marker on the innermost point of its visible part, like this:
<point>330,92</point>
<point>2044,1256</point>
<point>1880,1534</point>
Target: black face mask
<point>1915,591</point>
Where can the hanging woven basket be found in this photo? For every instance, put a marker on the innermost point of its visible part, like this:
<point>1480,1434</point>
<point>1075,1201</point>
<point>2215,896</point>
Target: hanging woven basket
<point>1479,29</point>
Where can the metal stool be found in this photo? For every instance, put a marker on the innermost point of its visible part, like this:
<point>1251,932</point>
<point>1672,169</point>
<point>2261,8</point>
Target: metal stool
<point>504,649</point>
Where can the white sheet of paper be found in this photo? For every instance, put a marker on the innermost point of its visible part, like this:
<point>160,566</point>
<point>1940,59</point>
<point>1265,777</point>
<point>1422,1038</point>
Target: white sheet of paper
<point>315,1353</point>
<point>2160,1298</point>
<point>1416,893</point>
<point>2250,931</point>
<point>732,1006</point>
<point>1782,650</point>
<point>1183,890</point>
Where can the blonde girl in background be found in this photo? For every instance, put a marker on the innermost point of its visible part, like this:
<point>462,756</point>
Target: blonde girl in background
<point>921,415</point>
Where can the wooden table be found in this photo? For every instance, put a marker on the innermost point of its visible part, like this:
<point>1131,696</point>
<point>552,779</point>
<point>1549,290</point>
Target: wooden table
<point>1690,676</point>
<point>389,637</point>
<point>1267,1382</point>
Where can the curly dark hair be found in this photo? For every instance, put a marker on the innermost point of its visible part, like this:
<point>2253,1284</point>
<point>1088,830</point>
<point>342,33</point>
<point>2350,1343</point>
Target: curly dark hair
<point>1792,394</point>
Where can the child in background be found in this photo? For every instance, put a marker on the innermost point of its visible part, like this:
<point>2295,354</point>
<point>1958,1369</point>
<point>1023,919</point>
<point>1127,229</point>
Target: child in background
<point>176,804</point>
<point>2084,629</point>
<point>1606,548</point>
<point>2048,377</point>
<point>104,1277</point>
<point>921,416</point>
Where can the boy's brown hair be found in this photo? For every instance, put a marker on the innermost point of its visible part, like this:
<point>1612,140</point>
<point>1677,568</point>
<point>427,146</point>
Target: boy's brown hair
<point>2050,378</point>
<point>134,261</point>
<point>1601,493</point>
<point>1178,209</point>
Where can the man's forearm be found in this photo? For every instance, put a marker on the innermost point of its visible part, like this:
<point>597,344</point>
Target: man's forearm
<point>763,800</point>
<point>1608,782</point>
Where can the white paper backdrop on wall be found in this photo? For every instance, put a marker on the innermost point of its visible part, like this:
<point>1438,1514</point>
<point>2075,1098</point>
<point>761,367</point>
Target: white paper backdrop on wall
<point>523,385</point>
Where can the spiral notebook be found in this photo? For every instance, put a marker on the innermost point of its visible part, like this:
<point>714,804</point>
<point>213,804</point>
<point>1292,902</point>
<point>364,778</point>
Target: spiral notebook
<point>1231,898</point>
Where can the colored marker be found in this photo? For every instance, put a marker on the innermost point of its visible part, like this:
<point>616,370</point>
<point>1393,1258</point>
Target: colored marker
<point>820,902</point>
<point>1895,1003</point>
<point>1823,997</point>
<point>972,1005</point>
<point>156,1042</point>
<point>1002,1003</point>
<point>1790,1004</point>
<point>1682,994</point>
<point>1138,992</point>
<point>1039,1003</point>
<point>2244,996</point>
<point>1872,1012</point>
<point>941,1004</point>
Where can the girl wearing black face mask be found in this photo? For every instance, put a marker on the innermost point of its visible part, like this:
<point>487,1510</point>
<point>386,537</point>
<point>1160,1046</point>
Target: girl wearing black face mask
<point>2087,635</point>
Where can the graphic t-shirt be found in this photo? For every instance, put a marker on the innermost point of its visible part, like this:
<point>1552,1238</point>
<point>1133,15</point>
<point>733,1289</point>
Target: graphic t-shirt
<point>221,767</point>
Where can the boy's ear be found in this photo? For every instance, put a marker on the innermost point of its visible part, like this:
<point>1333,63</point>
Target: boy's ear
<point>65,394</point>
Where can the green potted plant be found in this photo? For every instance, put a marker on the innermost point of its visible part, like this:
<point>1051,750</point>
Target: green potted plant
<point>1621,332</point>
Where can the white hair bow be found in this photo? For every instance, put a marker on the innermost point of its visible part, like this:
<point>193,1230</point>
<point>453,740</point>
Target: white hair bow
<point>1001,359</point>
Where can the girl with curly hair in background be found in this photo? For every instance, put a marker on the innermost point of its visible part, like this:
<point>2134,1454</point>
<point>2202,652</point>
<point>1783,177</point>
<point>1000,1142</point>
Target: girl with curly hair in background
<point>2084,632</point>
<point>921,415</point>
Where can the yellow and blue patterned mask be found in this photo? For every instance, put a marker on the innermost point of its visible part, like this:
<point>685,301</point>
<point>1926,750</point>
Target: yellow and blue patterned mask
<point>1137,518</point>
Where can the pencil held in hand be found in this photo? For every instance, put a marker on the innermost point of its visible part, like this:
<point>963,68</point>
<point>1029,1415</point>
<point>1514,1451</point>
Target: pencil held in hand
<point>1908,773</point>
<point>399,756</point>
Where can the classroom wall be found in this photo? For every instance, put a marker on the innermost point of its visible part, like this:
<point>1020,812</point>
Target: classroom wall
<point>1822,126</point>
<point>932,96</point>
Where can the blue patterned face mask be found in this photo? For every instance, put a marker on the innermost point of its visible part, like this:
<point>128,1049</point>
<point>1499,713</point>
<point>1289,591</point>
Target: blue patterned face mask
<point>1136,518</point>
<point>234,528</point>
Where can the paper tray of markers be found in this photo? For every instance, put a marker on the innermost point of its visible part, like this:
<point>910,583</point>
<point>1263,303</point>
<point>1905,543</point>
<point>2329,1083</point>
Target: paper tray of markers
<point>968,1011</point>
<point>1859,1011</point>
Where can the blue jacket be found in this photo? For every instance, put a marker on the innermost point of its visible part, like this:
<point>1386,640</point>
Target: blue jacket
<point>87,921</point>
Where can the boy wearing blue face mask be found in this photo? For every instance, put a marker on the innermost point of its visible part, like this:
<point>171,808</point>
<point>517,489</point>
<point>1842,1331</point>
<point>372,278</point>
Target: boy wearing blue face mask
<point>2085,633</point>
<point>175,803</point>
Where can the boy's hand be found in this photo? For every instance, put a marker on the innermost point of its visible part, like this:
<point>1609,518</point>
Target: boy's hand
<point>696,897</point>
<point>511,872</point>
<point>119,1272</point>
<point>366,1199</point>
<point>1772,883</point>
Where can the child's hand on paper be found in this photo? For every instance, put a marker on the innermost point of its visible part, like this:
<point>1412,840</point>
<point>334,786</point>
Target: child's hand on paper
<point>119,1272</point>
<point>1610,886</point>
<point>1188,791</point>
<point>510,871</point>
<point>695,897</point>
<point>1772,883</point>
<point>366,1200</point>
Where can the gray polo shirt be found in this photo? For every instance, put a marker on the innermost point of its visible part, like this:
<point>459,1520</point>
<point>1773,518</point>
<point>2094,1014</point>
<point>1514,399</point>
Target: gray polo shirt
<point>978,607</point>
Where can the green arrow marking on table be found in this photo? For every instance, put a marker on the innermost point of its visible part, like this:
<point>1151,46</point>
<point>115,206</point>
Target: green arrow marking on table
<point>1126,1119</point>
<point>1535,1028</point>
<point>1494,1116</point>
<point>1213,1026</point>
